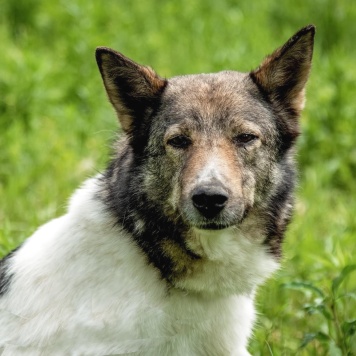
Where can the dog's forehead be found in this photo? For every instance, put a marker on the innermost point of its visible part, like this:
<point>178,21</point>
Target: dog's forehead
<point>214,98</point>
<point>207,86</point>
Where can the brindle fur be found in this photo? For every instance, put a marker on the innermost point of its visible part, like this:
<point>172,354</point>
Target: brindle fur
<point>149,183</point>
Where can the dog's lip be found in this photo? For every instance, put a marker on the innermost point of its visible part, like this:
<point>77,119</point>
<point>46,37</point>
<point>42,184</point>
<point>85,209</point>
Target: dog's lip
<point>213,226</point>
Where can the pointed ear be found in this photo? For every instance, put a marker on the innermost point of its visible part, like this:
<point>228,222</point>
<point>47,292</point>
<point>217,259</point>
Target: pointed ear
<point>283,74</point>
<point>132,89</point>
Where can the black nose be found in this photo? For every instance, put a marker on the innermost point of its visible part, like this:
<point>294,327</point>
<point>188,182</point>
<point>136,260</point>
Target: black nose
<point>209,201</point>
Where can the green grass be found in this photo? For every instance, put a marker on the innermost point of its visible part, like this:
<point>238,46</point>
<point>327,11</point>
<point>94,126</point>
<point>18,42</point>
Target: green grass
<point>56,127</point>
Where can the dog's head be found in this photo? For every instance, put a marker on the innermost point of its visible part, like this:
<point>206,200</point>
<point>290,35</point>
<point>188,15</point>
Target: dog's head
<point>211,154</point>
<point>213,141</point>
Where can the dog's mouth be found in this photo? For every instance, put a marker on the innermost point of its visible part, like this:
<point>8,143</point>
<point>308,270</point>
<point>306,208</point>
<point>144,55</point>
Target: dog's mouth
<point>213,226</point>
<point>229,216</point>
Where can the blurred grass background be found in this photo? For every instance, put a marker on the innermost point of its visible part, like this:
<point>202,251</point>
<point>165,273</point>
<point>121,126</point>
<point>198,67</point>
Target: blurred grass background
<point>56,127</point>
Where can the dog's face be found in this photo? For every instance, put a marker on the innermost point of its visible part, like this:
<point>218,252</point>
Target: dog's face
<point>214,148</point>
<point>215,151</point>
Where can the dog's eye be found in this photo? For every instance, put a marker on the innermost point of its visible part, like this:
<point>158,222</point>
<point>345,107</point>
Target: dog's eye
<point>179,141</point>
<point>244,138</point>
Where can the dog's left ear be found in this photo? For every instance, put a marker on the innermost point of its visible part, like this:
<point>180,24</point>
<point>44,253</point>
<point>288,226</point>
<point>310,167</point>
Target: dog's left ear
<point>283,74</point>
<point>132,89</point>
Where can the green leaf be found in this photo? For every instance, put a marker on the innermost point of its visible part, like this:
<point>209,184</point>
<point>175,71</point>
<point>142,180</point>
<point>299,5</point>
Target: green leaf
<point>319,308</point>
<point>313,336</point>
<point>344,273</point>
<point>349,327</point>
<point>304,286</point>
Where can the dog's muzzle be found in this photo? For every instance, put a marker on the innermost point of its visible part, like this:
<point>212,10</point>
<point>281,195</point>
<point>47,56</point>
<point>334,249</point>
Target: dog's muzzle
<point>211,207</point>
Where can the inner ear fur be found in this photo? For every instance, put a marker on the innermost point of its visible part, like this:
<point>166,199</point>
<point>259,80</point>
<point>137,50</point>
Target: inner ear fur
<point>283,74</point>
<point>133,89</point>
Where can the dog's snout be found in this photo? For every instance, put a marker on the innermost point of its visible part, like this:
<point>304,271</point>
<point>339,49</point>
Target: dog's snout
<point>209,201</point>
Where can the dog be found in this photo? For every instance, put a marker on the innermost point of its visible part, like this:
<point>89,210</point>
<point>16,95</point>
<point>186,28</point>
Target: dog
<point>162,253</point>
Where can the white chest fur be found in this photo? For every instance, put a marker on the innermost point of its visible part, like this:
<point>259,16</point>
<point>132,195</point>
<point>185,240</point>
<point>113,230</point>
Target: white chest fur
<point>81,286</point>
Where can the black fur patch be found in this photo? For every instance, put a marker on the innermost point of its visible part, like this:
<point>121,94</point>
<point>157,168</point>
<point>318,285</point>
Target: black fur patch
<point>279,210</point>
<point>125,200</point>
<point>5,277</point>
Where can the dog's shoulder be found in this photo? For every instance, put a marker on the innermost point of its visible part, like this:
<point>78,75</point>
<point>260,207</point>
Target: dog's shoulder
<point>76,272</point>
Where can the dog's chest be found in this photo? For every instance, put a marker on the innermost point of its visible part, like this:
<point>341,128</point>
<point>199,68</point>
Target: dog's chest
<point>80,286</point>
<point>130,321</point>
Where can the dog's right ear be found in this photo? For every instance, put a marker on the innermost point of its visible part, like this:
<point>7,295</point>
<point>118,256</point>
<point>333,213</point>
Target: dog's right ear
<point>132,89</point>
